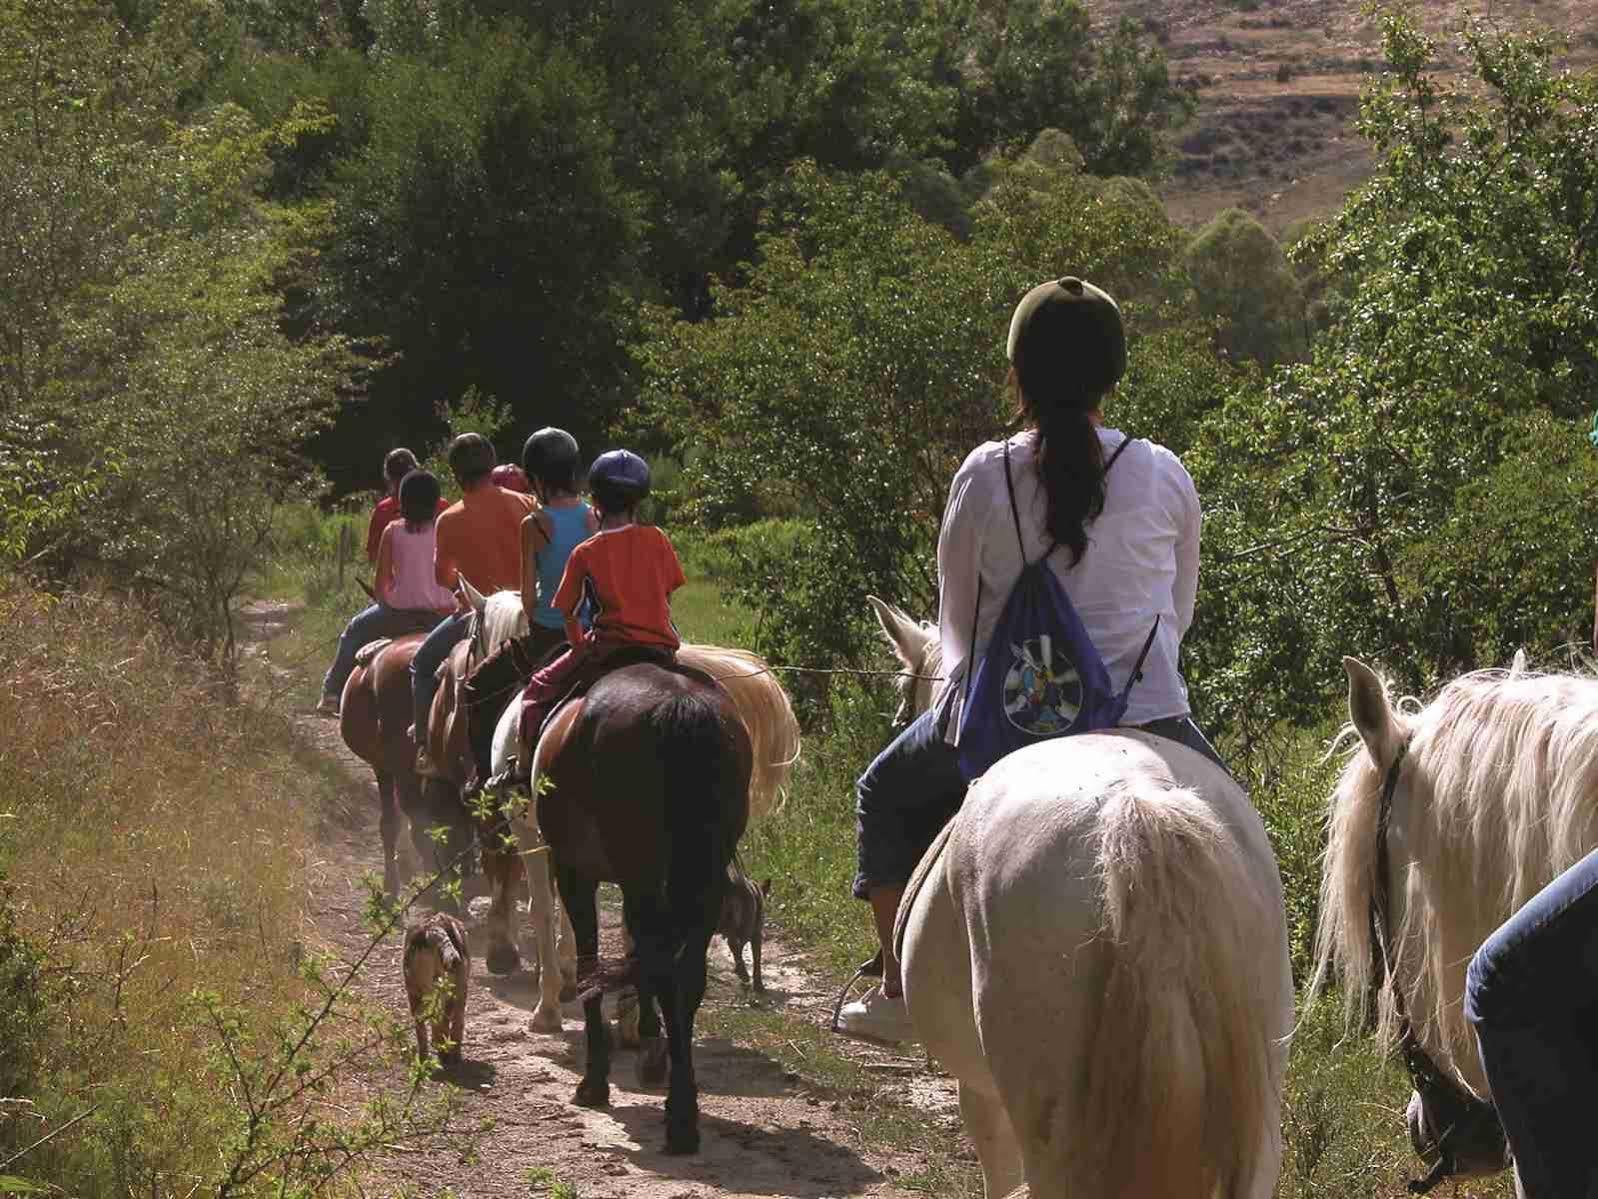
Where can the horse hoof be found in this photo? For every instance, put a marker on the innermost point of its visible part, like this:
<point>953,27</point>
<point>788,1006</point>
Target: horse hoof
<point>651,1061</point>
<point>503,959</point>
<point>592,1094</point>
<point>546,1019</point>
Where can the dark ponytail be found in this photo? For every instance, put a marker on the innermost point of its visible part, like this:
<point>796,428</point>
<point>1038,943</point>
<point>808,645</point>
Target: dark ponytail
<point>1070,466</point>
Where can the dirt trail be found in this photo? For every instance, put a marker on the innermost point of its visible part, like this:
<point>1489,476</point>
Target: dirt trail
<point>765,1131</point>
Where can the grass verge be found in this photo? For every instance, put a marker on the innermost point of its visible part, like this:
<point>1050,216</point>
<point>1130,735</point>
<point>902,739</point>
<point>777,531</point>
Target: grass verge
<point>168,1027</point>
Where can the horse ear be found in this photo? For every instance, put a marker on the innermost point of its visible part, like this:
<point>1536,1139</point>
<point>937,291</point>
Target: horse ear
<point>473,596</point>
<point>1369,710</point>
<point>1519,665</point>
<point>908,639</point>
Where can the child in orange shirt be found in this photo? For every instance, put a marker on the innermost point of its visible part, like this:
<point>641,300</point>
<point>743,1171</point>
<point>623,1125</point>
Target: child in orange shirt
<point>627,569</point>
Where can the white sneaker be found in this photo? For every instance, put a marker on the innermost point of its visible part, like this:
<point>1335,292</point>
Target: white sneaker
<point>328,706</point>
<point>877,1017</point>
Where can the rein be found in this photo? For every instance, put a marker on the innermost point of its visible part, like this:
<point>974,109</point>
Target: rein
<point>1467,1116</point>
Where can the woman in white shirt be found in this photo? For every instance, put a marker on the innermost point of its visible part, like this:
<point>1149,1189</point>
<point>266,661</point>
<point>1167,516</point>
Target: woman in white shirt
<point>1125,549</point>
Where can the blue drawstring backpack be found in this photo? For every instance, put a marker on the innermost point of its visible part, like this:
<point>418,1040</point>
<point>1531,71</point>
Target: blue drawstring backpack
<point>1041,675</point>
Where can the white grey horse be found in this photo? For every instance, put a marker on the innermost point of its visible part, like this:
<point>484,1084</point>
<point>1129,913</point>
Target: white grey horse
<point>1096,947</point>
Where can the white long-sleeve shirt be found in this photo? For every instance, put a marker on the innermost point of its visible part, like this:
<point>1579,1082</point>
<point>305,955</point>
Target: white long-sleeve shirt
<point>1141,561</point>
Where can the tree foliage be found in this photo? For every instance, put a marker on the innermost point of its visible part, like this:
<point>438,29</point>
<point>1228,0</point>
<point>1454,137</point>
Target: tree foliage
<point>151,409</point>
<point>1420,491</point>
<point>845,381</point>
<point>1243,282</point>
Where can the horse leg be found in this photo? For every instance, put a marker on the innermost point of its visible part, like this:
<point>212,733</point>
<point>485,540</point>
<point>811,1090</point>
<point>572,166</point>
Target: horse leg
<point>415,854</point>
<point>680,1001</point>
<point>388,823</point>
<point>627,1006</point>
<point>542,912</point>
<point>654,972</point>
<point>499,869</point>
<point>444,811</point>
<point>567,951</point>
<point>997,1148</point>
<point>581,899</point>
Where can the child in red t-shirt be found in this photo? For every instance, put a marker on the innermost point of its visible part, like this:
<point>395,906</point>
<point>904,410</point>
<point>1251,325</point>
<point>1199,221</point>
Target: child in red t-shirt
<point>627,570</point>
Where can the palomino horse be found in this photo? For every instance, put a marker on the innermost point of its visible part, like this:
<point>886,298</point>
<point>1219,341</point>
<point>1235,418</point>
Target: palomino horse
<point>374,713</point>
<point>647,786</point>
<point>1096,947</point>
<point>1491,792</point>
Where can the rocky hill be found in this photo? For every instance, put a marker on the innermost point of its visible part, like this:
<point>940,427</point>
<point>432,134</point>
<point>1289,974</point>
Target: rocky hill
<point>1278,84</point>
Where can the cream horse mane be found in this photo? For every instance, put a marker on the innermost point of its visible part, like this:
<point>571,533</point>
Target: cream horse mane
<point>1498,795</point>
<point>762,702</point>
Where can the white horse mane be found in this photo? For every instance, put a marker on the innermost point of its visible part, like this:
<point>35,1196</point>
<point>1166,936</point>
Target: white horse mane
<point>1499,795</point>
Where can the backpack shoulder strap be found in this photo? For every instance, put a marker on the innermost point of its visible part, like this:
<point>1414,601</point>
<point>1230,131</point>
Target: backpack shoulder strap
<point>1015,512</point>
<point>1125,441</point>
<point>1148,643</point>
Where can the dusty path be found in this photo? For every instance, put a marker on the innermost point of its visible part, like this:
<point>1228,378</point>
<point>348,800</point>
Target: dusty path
<point>766,1131</point>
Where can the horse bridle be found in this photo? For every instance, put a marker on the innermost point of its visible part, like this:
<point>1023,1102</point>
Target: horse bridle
<point>1471,1126</point>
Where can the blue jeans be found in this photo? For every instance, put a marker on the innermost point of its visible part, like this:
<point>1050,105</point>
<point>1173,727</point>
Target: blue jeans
<point>430,655</point>
<point>368,624</point>
<point>914,787</point>
<point>1531,994</point>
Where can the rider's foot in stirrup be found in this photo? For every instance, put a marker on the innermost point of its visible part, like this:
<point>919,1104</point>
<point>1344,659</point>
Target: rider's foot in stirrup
<point>876,1016</point>
<point>328,706</point>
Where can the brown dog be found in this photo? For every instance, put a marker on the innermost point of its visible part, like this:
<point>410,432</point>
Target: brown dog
<point>743,918</point>
<point>436,952</point>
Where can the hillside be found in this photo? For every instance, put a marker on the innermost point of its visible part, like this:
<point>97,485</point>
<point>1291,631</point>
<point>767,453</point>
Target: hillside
<point>1278,84</point>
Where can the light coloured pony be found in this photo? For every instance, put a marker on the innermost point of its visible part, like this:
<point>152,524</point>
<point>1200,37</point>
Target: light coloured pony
<point>1496,796</point>
<point>1096,947</point>
<point>773,729</point>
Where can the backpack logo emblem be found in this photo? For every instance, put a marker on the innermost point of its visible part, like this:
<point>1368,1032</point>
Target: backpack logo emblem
<point>1042,691</point>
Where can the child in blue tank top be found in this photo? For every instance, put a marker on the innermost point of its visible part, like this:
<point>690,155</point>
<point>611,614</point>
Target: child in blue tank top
<point>563,522</point>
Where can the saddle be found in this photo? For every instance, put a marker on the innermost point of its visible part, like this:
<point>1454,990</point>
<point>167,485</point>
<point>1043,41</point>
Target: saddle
<point>364,655</point>
<point>599,665</point>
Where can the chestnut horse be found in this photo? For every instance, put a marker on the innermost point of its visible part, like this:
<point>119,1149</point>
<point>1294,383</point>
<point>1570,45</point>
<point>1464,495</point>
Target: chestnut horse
<point>648,780</point>
<point>374,714</point>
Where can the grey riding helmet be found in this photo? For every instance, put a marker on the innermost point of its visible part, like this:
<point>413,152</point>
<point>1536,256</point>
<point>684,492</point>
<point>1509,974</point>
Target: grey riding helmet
<point>1067,329</point>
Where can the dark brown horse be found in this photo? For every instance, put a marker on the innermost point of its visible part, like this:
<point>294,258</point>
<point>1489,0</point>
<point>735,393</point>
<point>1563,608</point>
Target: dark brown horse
<point>648,788</point>
<point>374,713</point>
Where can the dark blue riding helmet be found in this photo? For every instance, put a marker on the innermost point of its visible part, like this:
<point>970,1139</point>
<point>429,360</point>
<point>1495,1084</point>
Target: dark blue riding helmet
<point>620,476</point>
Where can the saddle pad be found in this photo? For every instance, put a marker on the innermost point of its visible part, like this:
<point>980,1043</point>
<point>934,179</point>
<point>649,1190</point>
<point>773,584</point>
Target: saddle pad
<point>370,650</point>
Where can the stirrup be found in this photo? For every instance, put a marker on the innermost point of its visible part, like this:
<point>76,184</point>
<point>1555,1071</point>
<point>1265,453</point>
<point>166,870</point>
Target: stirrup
<point>871,969</point>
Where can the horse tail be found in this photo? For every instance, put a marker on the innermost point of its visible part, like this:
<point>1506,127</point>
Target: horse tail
<point>707,788</point>
<point>767,713</point>
<point>1179,1087</point>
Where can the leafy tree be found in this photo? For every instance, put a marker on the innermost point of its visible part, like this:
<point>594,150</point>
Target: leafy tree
<point>861,362</point>
<point>1244,283</point>
<point>1026,65</point>
<point>151,409</point>
<point>484,241</point>
<point>1403,495</point>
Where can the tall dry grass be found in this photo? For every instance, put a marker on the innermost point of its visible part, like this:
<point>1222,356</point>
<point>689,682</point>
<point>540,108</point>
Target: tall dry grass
<point>153,839</point>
